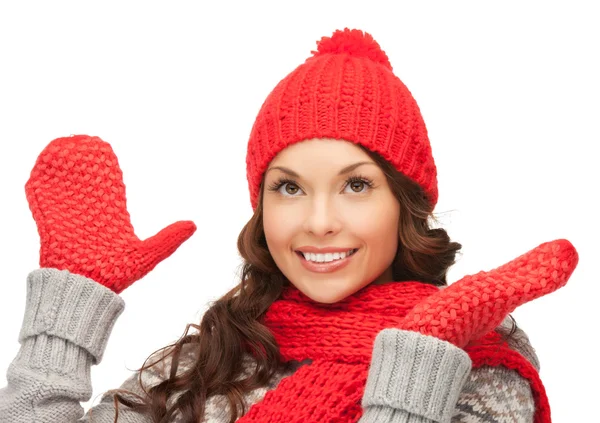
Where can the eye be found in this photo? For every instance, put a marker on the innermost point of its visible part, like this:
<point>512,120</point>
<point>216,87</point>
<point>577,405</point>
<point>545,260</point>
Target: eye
<point>283,181</point>
<point>357,184</point>
<point>291,188</point>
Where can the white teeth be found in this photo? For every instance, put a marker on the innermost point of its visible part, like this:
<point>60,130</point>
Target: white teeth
<point>324,258</point>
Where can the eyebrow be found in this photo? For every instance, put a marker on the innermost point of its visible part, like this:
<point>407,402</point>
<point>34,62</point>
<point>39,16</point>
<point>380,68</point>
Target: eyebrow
<point>347,169</point>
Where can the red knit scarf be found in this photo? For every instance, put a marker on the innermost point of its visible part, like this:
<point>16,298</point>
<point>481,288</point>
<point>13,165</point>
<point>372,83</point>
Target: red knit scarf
<point>339,338</point>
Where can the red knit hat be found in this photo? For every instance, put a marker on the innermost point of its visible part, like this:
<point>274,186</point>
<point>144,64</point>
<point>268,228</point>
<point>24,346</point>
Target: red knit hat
<point>346,90</point>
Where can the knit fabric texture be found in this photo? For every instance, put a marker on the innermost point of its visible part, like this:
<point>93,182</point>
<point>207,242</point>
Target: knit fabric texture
<point>339,337</point>
<point>68,319</point>
<point>488,354</point>
<point>77,197</point>
<point>346,90</point>
<point>67,323</point>
<point>474,305</point>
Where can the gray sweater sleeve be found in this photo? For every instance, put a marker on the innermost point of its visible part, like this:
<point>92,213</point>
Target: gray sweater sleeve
<point>68,320</point>
<point>413,378</point>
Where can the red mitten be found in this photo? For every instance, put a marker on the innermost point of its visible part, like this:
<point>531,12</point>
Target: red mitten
<point>77,197</point>
<point>477,304</point>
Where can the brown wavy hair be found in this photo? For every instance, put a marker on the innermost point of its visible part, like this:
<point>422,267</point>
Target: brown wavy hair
<point>230,327</point>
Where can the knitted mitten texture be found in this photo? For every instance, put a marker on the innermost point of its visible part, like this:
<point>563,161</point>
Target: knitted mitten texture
<point>339,337</point>
<point>77,197</point>
<point>477,304</point>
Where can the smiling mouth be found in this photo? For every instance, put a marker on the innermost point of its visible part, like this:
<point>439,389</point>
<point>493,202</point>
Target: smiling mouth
<point>347,254</point>
<point>327,266</point>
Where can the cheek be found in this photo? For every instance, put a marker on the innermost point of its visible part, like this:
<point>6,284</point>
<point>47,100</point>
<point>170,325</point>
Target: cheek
<point>379,228</point>
<point>278,229</point>
<point>380,233</point>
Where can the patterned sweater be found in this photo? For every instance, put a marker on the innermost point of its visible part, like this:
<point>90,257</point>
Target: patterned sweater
<point>68,320</point>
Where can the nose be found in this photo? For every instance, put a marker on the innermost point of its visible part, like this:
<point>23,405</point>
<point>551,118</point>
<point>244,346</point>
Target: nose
<point>322,217</point>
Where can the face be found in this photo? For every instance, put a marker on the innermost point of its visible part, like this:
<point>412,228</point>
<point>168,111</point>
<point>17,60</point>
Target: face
<point>325,194</point>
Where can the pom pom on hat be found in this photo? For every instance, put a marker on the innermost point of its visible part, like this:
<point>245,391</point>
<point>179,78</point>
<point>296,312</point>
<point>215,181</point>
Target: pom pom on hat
<point>355,43</point>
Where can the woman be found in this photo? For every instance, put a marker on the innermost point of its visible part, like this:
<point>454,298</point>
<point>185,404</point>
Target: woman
<point>343,312</point>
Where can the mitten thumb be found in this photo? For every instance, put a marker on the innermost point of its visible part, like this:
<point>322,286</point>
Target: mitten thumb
<point>155,249</point>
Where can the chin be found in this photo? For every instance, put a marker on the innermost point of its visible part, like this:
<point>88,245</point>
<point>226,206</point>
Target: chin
<point>330,295</point>
<point>328,299</point>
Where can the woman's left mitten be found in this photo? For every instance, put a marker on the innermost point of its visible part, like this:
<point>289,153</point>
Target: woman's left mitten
<point>476,304</point>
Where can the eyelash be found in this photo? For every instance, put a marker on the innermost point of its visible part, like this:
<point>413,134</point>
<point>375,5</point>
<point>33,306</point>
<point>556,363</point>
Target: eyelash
<point>275,186</point>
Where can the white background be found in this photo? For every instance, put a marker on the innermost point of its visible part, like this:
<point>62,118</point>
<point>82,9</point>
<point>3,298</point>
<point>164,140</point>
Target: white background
<point>509,92</point>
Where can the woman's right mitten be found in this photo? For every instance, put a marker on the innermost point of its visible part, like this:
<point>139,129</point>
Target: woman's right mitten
<point>77,197</point>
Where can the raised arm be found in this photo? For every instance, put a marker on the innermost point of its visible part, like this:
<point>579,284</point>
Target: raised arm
<point>88,254</point>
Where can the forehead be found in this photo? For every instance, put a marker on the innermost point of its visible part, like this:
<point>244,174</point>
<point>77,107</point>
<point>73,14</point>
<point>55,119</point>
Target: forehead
<point>333,152</point>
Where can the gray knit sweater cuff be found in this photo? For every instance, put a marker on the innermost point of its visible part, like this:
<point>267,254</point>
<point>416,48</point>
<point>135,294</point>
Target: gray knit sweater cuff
<point>71,307</point>
<point>413,378</point>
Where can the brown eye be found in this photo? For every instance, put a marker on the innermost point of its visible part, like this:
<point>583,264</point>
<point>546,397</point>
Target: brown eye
<point>357,184</point>
<point>293,190</point>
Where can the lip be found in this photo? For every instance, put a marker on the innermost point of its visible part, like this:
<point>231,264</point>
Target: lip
<point>325,267</point>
